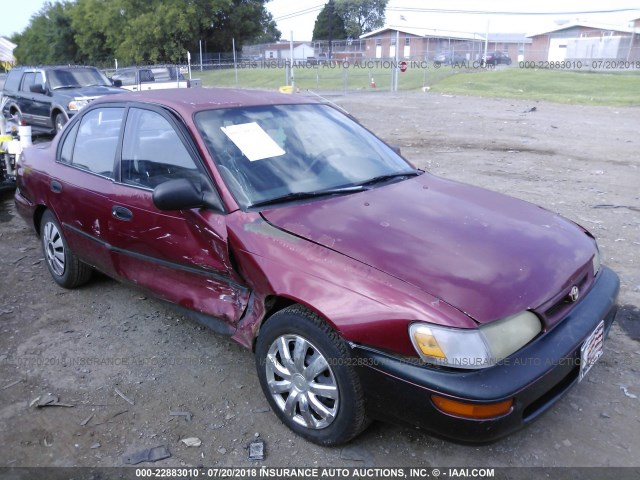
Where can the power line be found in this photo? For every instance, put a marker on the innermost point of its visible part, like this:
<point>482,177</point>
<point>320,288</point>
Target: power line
<point>496,12</point>
<point>288,16</point>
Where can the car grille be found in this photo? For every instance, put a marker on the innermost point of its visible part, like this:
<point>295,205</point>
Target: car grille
<point>559,306</point>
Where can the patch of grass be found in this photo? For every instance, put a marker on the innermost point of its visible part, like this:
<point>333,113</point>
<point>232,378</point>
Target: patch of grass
<point>321,78</point>
<point>584,88</point>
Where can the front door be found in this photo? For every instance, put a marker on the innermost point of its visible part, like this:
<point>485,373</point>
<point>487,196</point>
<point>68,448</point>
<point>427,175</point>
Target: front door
<point>182,256</point>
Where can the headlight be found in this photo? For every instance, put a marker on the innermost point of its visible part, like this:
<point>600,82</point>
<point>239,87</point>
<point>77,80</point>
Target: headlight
<point>78,103</point>
<point>477,347</point>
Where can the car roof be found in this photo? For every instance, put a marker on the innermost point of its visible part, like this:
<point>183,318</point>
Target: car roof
<point>52,67</point>
<point>189,100</point>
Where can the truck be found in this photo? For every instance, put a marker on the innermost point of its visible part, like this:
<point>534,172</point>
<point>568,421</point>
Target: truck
<point>137,79</point>
<point>46,97</point>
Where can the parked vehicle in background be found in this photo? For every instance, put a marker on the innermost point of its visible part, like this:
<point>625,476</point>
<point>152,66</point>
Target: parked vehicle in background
<point>448,58</point>
<point>366,288</point>
<point>496,58</point>
<point>151,78</point>
<point>47,97</point>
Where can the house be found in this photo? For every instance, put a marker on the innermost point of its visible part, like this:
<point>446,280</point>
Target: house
<point>7,60</point>
<point>282,51</point>
<point>421,43</point>
<point>580,40</point>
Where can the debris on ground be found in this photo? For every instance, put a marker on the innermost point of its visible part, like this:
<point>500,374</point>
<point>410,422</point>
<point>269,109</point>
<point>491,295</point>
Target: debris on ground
<point>192,441</point>
<point>256,449</point>
<point>126,399</point>
<point>49,400</point>
<point>187,415</point>
<point>148,455</point>
<point>9,385</point>
<point>626,391</point>
<point>86,420</point>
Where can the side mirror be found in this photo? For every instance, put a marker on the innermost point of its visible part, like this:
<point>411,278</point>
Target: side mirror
<point>116,83</point>
<point>395,148</point>
<point>37,88</point>
<point>181,194</point>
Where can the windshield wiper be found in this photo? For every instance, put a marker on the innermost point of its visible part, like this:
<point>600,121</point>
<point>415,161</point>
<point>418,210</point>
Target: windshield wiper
<point>66,86</point>
<point>389,176</point>
<point>302,195</point>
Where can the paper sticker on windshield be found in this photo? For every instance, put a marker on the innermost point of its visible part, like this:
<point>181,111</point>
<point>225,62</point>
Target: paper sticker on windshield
<point>253,141</point>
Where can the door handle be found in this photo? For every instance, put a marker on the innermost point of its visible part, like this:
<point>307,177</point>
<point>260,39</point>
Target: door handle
<point>56,187</point>
<point>122,213</point>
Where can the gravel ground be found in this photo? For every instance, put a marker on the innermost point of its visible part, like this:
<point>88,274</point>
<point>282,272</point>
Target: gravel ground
<point>123,362</point>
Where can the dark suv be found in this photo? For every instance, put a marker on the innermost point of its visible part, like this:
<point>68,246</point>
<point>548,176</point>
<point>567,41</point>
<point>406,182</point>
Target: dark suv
<point>47,97</point>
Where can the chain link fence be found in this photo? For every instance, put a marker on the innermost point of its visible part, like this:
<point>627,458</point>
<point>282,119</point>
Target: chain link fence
<point>398,63</point>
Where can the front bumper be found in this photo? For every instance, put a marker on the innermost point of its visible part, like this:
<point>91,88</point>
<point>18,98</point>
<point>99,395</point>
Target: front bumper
<point>535,377</point>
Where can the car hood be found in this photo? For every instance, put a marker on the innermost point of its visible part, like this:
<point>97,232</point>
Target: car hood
<point>93,91</point>
<point>482,252</point>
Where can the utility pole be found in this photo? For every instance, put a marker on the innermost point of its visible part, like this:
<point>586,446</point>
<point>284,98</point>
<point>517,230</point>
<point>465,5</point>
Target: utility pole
<point>486,40</point>
<point>330,29</point>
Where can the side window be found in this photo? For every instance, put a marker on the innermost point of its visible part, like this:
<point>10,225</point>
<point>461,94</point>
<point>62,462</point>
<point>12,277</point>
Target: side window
<point>152,152</point>
<point>66,152</point>
<point>27,81</point>
<point>97,141</point>
<point>128,78</point>
<point>13,80</point>
<point>38,79</point>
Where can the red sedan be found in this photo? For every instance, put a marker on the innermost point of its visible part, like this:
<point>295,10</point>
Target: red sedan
<point>366,288</point>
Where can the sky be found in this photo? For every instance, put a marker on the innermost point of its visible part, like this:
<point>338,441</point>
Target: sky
<point>298,16</point>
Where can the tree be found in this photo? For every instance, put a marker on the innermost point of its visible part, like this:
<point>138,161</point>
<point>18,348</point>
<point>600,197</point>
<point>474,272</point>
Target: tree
<point>361,16</point>
<point>99,28</point>
<point>270,32</point>
<point>329,25</point>
<point>242,20</point>
<point>140,31</point>
<point>48,38</point>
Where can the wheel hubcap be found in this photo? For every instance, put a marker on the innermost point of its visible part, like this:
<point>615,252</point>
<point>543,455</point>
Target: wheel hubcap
<point>301,382</point>
<point>54,248</point>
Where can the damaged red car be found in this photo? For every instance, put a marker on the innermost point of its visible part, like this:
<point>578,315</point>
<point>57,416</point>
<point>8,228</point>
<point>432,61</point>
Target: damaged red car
<point>365,287</point>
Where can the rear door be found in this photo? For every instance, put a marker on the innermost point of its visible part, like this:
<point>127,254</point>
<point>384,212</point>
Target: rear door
<point>181,256</point>
<point>34,106</point>
<point>82,182</point>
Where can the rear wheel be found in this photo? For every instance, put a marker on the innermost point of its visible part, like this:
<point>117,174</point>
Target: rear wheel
<point>305,374</point>
<point>65,268</point>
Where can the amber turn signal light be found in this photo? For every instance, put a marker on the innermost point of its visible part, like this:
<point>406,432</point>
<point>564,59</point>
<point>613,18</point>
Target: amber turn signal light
<point>475,411</point>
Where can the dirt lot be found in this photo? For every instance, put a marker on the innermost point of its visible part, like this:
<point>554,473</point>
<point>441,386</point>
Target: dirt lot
<point>83,345</point>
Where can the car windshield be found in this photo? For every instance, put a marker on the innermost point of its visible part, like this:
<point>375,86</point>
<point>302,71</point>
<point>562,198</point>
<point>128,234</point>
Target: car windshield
<point>76,77</point>
<point>278,153</point>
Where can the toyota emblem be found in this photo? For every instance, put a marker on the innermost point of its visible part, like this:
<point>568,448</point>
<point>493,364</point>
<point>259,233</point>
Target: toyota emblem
<point>574,293</point>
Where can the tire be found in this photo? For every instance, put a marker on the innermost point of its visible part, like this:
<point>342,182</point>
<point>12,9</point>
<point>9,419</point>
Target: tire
<point>59,121</point>
<point>65,268</point>
<point>328,407</point>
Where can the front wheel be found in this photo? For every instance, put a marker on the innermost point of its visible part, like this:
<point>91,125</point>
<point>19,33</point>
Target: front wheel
<point>65,268</point>
<point>60,121</point>
<point>303,367</point>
